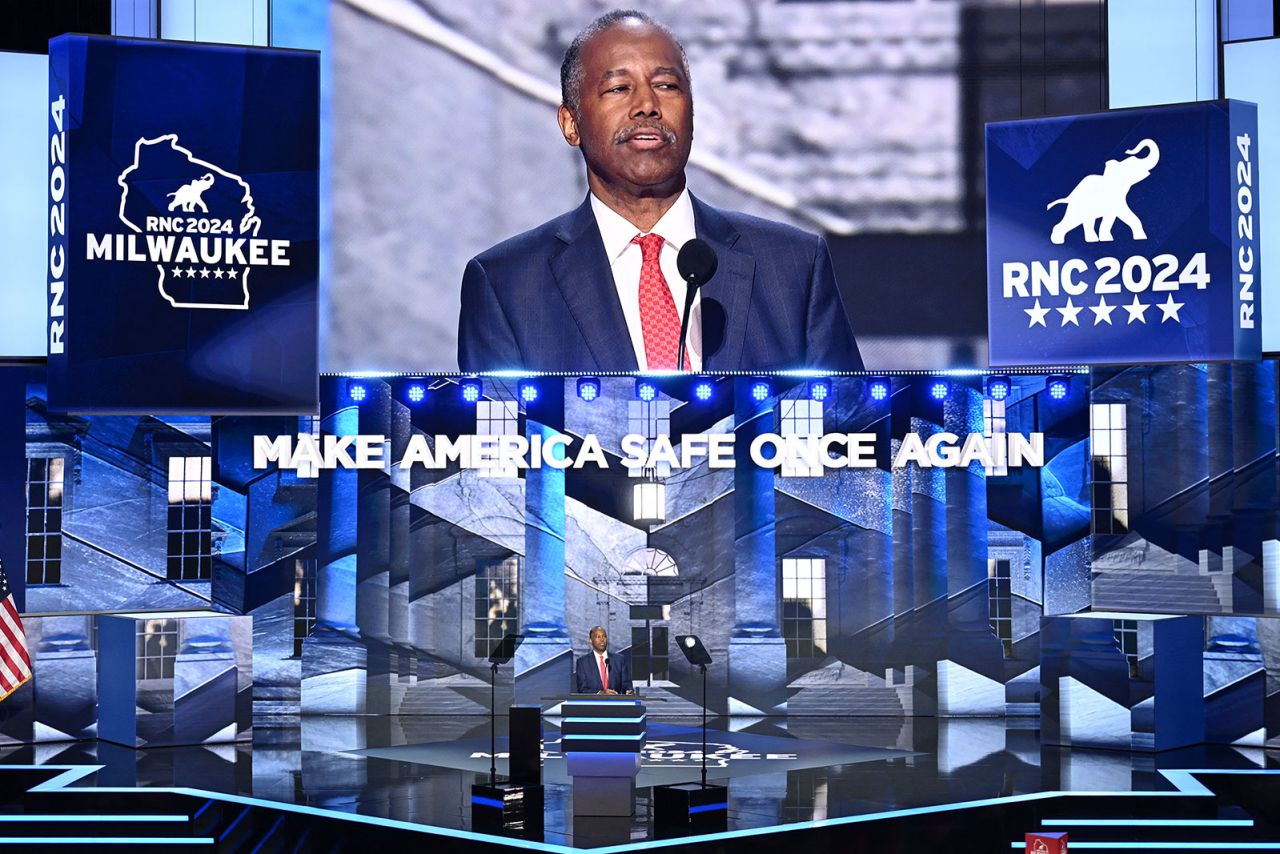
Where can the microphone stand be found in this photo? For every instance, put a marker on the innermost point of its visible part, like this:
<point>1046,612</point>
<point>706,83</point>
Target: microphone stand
<point>691,291</point>
<point>690,806</point>
<point>704,725</point>
<point>493,738</point>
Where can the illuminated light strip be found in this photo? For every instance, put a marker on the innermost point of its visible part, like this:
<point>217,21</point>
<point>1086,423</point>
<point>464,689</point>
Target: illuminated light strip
<point>1148,822</point>
<point>8,817</point>
<point>1184,782</point>
<point>1170,846</point>
<point>73,773</point>
<point>708,808</point>
<point>275,825</point>
<point>949,372</point>
<point>480,800</point>
<point>244,812</point>
<point>638,720</point>
<point>594,737</point>
<point>610,703</point>
<point>105,840</point>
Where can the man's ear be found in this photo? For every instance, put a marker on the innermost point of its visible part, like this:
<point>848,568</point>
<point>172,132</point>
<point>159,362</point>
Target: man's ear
<point>568,125</point>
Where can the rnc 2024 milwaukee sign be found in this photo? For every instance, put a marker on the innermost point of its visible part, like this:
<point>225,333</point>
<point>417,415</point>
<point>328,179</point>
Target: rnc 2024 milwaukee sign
<point>183,219</point>
<point>1124,237</point>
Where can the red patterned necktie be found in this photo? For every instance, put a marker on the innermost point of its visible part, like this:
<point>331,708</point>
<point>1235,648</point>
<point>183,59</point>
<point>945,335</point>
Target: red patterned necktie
<point>659,320</point>
<point>604,671</point>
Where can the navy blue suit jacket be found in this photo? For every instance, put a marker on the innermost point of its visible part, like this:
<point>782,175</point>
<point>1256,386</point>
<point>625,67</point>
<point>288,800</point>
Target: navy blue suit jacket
<point>587,674</point>
<point>545,300</point>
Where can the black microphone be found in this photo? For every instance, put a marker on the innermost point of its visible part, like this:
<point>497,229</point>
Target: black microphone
<point>697,263</point>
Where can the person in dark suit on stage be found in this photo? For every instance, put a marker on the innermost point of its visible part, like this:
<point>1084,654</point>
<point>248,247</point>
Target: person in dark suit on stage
<point>598,672</point>
<point>597,289</point>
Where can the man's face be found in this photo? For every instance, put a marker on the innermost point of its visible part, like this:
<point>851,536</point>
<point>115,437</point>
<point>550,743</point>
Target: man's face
<point>599,640</point>
<point>635,113</point>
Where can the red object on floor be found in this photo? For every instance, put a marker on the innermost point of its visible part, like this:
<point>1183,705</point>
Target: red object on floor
<point>1046,843</point>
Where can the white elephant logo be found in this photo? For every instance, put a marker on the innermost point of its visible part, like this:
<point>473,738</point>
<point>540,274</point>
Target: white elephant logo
<point>1099,200</point>
<point>188,196</point>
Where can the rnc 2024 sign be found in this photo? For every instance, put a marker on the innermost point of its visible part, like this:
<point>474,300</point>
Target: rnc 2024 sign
<point>1123,237</point>
<point>183,220</point>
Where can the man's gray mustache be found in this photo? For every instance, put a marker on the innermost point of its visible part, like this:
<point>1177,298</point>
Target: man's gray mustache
<point>625,135</point>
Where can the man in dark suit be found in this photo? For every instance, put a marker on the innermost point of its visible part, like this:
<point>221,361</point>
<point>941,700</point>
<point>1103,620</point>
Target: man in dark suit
<point>598,672</point>
<point>597,289</point>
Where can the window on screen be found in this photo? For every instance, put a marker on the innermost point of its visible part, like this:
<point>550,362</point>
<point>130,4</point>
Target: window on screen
<point>497,418</point>
<point>1110,468</point>
<point>650,419</point>
<point>304,602</point>
<point>157,649</point>
<point>497,603</point>
<point>1000,602</point>
<point>801,418</point>
<point>804,607</point>
<point>994,425</point>
<point>190,555</point>
<point>44,520</point>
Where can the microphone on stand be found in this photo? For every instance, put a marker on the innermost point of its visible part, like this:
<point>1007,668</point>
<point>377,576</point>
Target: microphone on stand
<point>697,263</point>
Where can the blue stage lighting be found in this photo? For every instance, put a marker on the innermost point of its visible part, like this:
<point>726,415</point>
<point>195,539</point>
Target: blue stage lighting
<point>471,390</point>
<point>703,389</point>
<point>938,389</point>
<point>357,392</point>
<point>759,390</point>
<point>998,388</point>
<point>528,391</point>
<point>646,391</point>
<point>1058,387</point>
<point>879,390</point>
<point>819,390</point>
<point>416,394</point>
<point>588,388</point>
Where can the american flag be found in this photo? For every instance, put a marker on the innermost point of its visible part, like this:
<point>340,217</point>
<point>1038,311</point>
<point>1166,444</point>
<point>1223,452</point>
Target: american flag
<point>15,662</point>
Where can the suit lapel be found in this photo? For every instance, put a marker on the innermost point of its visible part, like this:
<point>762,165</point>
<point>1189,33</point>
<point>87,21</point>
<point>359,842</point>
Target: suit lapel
<point>585,280</point>
<point>730,287</point>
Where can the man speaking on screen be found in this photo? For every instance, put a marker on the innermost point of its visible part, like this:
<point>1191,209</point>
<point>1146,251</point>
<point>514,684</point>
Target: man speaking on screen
<point>599,288</point>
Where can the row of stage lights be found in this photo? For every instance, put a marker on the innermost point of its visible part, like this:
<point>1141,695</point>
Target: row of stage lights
<point>878,388</point>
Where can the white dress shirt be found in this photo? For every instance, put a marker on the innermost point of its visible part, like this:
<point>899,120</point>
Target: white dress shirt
<point>603,658</point>
<point>676,228</point>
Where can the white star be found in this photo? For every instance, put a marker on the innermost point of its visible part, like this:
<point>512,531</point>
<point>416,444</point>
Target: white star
<point>204,272</point>
<point>1069,313</point>
<point>217,273</point>
<point>1102,312</point>
<point>1037,315</point>
<point>1169,309</point>
<point>177,271</point>
<point>1137,310</point>
<point>191,272</point>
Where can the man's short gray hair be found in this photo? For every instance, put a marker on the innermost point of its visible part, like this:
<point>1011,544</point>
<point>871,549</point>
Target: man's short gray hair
<point>571,68</point>
<point>595,629</point>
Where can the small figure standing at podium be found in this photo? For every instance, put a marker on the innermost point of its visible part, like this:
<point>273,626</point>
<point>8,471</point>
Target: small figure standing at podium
<point>598,672</point>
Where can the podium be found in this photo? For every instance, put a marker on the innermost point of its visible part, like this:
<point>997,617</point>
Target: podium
<point>601,738</point>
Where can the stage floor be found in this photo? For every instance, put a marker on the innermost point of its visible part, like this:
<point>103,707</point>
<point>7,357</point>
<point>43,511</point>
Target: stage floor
<point>779,771</point>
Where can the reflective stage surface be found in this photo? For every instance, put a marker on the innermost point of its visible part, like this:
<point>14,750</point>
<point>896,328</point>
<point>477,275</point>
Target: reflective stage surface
<point>420,769</point>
